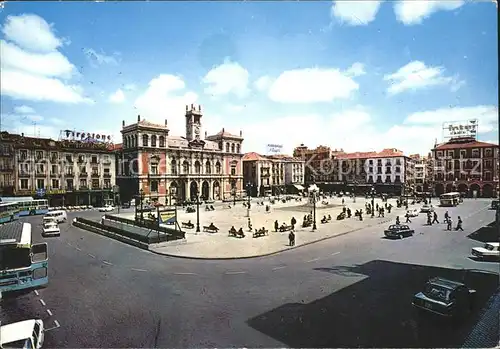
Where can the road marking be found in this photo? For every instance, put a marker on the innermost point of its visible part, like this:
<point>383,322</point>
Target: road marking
<point>49,312</point>
<point>235,272</point>
<point>134,269</point>
<point>184,273</point>
<point>43,302</point>
<point>335,253</point>
<point>313,260</point>
<point>57,323</point>
<point>69,244</point>
<point>91,255</point>
<point>108,263</point>
<point>78,248</point>
<point>36,292</point>
<point>278,268</point>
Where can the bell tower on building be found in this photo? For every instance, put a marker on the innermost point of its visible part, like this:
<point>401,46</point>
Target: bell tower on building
<point>193,123</point>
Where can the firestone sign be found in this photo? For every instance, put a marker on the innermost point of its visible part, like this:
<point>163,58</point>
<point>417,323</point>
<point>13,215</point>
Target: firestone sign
<point>72,135</point>
<point>460,129</point>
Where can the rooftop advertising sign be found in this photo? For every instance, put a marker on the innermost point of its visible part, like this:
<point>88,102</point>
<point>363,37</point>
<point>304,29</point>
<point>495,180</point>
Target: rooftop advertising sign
<point>457,129</point>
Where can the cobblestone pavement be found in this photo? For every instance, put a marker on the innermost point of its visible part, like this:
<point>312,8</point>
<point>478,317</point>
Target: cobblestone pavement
<point>220,245</point>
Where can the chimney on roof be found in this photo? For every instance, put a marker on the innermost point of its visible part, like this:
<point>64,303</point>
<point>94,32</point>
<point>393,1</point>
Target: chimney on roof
<point>138,118</point>
<point>223,130</point>
<point>205,134</point>
<point>123,123</point>
<point>199,108</point>
<point>22,134</point>
<point>166,123</point>
<point>241,133</point>
<point>187,108</point>
<point>192,107</point>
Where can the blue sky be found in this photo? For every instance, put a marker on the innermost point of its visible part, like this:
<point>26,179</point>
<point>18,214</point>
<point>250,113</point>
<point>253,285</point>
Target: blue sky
<point>354,75</point>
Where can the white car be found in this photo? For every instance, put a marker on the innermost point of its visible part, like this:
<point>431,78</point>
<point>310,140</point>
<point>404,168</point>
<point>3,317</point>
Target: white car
<point>427,208</point>
<point>50,228</point>
<point>22,334</point>
<point>490,250</point>
<point>412,213</point>
<point>107,208</point>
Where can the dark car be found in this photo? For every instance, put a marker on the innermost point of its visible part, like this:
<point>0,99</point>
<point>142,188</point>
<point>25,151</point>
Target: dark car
<point>445,297</point>
<point>494,204</point>
<point>398,231</point>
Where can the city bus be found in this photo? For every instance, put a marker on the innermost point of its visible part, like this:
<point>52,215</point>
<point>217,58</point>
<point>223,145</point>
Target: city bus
<point>29,206</point>
<point>9,211</point>
<point>23,265</point>
<point>450,199</point>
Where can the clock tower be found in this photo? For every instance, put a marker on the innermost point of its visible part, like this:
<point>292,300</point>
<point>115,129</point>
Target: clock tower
<point>193,123</point>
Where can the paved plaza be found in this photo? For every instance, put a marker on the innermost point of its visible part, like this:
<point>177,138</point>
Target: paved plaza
<point>220,245</point>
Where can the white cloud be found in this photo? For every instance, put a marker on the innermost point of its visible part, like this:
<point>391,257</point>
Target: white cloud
<point>117,97</point>
<point>227,78</point>
<point>166,98</point>
<point>235,108</point>
<point>412,12</point>
<point>32,70</point>
<point>416,75</point>
<point>52,64</point>
<point>97,58</point>
<point>312,85</point>
<point>56,121</point>
<point>24,109</point>
<point>354,12</point>
<point>487,116</point>
<point>20,85</point>
<point>263,83</point>
<point>31,32</point>
<point>357,69</point>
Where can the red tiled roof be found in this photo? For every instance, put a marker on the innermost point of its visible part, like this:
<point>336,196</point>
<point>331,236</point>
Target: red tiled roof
<point>463,143</point>
<point>253,157</point>
<point>386,153</point>
<point>114,147</point>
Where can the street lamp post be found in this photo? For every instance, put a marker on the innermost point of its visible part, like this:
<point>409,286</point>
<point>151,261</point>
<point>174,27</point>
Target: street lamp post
<point>354,191</point>
<point>249,186</point>
<point>314,209</point>
<point>372,192</point>
<point>197,211</point>
<point>141,194</point>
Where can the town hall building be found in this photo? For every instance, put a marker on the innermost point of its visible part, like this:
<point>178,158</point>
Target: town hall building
<point>170,169</point>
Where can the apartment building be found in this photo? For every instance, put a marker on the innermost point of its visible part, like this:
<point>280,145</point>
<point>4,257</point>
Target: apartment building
<point>423,172</point>
<point>67,173</point>
<point>7,172</point>
<point>273,174</point>
<point>466,165</point>
<point>169,168</point>
<point>319,163</point>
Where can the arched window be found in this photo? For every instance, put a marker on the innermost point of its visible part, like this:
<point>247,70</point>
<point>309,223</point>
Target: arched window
<point>173,167</point>
<point>185,167</point>
<point>237,148</point>
<point>232,148</point>
<point>197,167</point>
<point>145,139</point>
<point>218,168</point>
<point>208,168</point>
<point>162,142</point>
<point>227,147</point>
<point>153,141</point>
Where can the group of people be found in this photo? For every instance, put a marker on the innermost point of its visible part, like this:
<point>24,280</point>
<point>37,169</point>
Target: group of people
<point>432,217</point>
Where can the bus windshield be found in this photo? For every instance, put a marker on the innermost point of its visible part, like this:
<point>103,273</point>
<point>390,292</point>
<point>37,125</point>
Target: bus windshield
<point>14,258</point>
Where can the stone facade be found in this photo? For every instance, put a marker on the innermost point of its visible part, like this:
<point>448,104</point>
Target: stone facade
<point>171,168</point>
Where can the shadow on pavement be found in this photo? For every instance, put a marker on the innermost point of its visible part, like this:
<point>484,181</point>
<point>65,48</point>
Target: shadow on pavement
<point>374,312</point>
<point>487,233</point>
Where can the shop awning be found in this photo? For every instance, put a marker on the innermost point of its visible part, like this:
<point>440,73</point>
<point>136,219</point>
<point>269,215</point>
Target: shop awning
<point>298,186</point>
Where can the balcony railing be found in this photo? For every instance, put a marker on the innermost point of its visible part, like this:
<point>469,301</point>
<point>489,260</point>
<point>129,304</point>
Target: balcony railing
<point>81,160</point>
<point>54,174</point>
<point>41,173</point>
<point>108,175</point>
<point>83,174</point>
<point>95,175</point>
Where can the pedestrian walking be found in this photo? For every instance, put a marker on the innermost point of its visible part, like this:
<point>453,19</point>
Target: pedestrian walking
<point>382,212</point>
<point>429,218</point>
<point>291,238</point>
<point>276,225</point>
<point>342,201</point>
<point>397,220</point>
<point>459,224</point>
<point>293,221</point>
<point>446,217</point>
<point>448,224</point>
<point>435,220</point>
<point>408,218</point>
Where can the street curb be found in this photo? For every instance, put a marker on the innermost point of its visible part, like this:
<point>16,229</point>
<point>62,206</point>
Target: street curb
<point>270,253</point>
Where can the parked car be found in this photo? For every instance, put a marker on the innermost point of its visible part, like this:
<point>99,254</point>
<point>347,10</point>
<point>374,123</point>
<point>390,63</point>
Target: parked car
<point>51,228</point>
<point>107,208</point>
<point>490,250</point>
<point>494,204</point>
<point>398,231</point>
<point>413,213</point>
<point>445,297</point>
<point>22,334</point>
<point>427,208</point>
